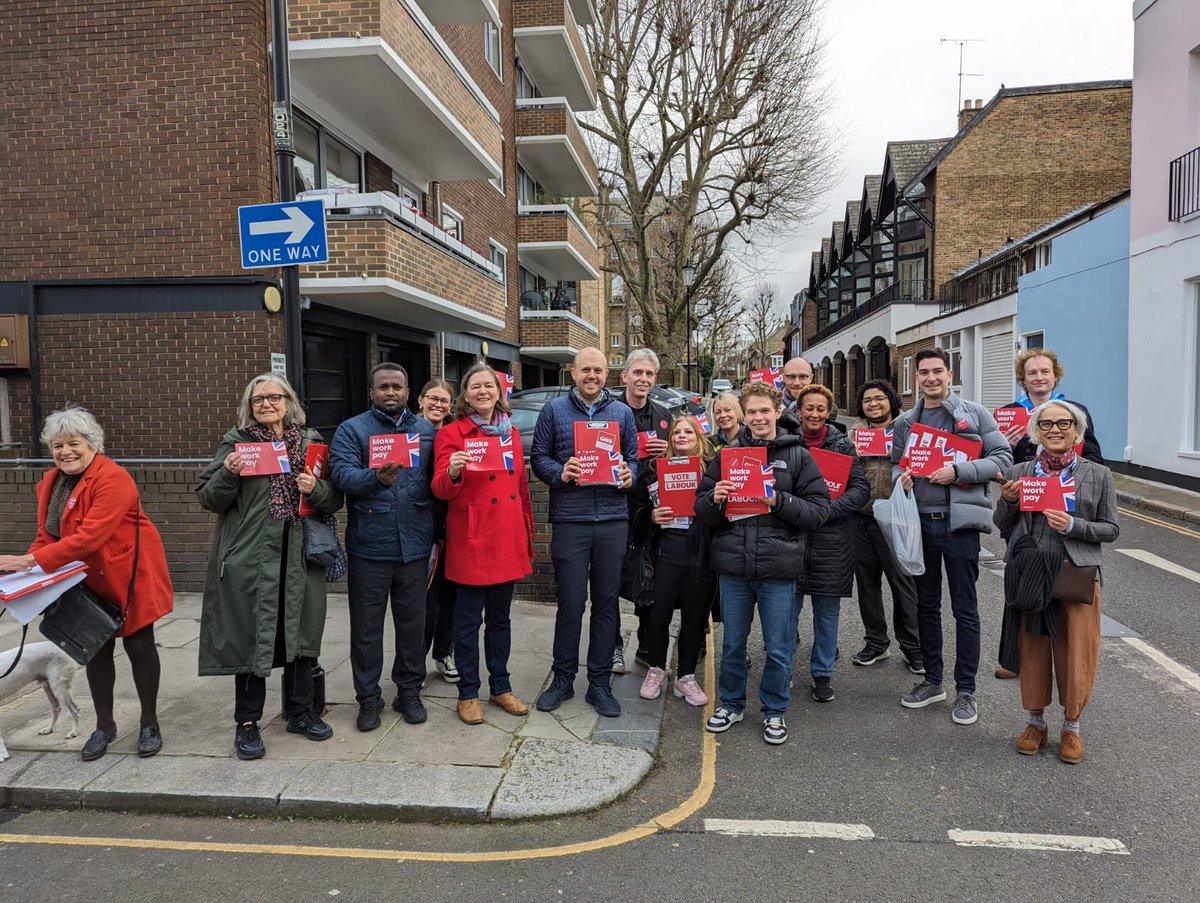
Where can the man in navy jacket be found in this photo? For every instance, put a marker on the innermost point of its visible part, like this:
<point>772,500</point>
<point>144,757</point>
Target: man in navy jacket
<point>388,538</point>
<point>591,528</point>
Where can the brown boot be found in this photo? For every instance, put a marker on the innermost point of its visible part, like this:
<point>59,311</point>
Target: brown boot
<point>1070,748</point>
<point>1031,740</point>
<point>469,711</point>
<point>510,704</point>
<point>1005,674</point>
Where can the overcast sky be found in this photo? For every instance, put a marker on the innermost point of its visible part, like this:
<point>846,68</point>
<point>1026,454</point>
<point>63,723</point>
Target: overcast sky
<point>891,80</point>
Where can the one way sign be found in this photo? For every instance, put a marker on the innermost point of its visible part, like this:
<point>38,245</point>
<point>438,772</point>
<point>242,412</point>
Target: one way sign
<point>283,235</point>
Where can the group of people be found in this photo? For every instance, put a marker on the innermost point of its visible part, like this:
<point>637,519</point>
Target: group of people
<point>441,533</point>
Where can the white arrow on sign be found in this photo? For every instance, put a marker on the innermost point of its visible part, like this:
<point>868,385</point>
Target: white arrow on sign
<point>298,223</point>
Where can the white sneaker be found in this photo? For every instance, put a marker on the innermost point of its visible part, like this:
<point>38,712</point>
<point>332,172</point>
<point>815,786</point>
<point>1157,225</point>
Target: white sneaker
<point>447,669</point>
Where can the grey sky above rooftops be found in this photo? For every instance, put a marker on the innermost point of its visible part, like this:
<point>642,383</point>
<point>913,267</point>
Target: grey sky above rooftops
<point>891,81</point>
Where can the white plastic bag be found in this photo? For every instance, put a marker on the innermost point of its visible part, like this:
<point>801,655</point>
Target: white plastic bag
<point>900,523</point>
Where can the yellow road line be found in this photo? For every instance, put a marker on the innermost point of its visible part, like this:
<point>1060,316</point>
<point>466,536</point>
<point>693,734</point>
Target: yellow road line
<point>667,820</point>
<point>1182,531</point>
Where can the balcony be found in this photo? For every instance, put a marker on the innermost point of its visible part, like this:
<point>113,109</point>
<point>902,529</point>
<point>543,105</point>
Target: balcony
<point>378,68</point>
<point>906,291</point>
<point>386,261</point>
<point>551,148</point>
<point>555,335</point>
<point>552,242</point>
<point>1183,197</point>
<point>460,12</point>
<point>551,51</point>
<point>584,12</point>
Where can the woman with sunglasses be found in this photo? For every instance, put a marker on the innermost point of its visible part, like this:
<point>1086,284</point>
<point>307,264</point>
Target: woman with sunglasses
<point>1045,638</point>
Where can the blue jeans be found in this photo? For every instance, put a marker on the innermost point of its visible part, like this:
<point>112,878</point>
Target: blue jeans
<point>776,600</point>
<point>959,552</point>
<point>826,612</point>
<point>487,605</point>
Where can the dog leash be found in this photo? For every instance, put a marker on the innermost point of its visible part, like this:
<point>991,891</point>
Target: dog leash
<point>20,649</point>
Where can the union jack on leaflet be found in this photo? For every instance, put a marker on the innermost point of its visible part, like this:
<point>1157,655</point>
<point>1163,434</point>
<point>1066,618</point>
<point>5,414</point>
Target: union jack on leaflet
<point>414,449</point>
<point>888,440</point>
<point>506,449</point>
<point>279,449</point>
<point>768,474</point>
<point>702,419</point>
<point>614,461</point>
<point>1068,490</point>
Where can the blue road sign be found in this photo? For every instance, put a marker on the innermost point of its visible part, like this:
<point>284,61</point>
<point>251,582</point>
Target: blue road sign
<point>283,235</point>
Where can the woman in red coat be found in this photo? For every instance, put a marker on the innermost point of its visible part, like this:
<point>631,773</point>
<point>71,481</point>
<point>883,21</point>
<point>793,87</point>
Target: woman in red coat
<point>89,511</point>
<point>480,472</point>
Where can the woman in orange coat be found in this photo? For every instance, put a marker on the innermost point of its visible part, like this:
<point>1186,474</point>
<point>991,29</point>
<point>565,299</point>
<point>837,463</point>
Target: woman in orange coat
<point>489,534</point>
<point>89,511</point>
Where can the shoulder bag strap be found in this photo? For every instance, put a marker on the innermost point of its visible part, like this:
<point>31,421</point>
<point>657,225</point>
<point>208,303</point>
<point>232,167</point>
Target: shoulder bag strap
<point>137,549</point>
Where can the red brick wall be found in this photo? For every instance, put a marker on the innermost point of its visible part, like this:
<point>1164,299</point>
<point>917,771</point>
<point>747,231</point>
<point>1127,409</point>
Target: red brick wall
<point>125,121</point>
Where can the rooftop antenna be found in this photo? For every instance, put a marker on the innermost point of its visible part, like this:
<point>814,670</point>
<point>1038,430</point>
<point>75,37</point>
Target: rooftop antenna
<point>961,42</point>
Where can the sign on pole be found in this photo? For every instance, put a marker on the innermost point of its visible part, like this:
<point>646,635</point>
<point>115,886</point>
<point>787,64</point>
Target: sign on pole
<point>283,235</point>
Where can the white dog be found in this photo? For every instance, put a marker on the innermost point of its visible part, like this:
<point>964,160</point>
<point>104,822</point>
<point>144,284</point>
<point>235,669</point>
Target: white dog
<point>54,670</point>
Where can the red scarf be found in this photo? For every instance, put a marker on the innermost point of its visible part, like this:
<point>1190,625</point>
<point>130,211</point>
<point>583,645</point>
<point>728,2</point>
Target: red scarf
<point>1054,463</point>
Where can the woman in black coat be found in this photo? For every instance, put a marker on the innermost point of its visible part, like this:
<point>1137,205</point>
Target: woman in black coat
<point>829,574</point>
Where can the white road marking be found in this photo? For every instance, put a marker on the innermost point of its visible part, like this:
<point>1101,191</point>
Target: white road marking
<point>1183,673</point>
<point>1065,843</point>
<point>1161,563</point>
<point>768,828</point>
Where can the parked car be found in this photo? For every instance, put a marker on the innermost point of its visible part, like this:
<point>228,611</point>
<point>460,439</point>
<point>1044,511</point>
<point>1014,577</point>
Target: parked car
<point>677,400</point>
<point>524,417</point>
<point>541,393</point>
<point>721,385</point>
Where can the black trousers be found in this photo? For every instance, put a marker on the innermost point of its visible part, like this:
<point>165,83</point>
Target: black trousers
<point>371,584</point>
<point>439,612</point>
<point>250,692</point>
<point>689,589</point>
<point>873,560</point>
<point>587,556</point>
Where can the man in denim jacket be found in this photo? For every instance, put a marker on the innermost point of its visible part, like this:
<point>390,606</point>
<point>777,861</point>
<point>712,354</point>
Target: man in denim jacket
<point>388,539</point>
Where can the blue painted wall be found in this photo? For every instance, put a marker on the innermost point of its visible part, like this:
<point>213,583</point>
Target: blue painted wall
<point>1081,302</point>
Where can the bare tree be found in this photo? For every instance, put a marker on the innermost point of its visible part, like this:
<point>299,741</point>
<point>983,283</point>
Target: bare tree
<point>710,133</point>
<point>763,319</point>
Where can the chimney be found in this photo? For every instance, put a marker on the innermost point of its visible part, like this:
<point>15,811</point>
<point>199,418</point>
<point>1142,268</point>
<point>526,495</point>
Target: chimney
<point>967,113</point>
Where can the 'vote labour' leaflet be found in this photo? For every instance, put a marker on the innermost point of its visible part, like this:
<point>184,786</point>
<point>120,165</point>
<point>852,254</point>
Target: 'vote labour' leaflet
<point>772,376</point>
<point>644,443</point>
<point>316,462</point>
<point>929,450</point>
<point>678,480</point>
<point>753,478</point>
<point>395,448</point>
<point>873,443</point>
<point>1054,493</point>
<point>598,448</point>
<point>835,469</point>
<point>1007,418</point>
<point>489,452</point>
<point>261,459</point>
<point>506,385</point>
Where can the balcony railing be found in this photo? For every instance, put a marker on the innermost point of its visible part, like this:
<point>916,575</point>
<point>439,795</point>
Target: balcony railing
<point>904,291</point>
<point>996,284</point>
<point>1183,198</point>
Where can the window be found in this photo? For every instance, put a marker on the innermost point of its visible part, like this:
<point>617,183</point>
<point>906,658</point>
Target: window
<point>618,287</point>
<point>498,184</point>
<point>452,222</point>
<point>616,341</point>
<point>776,360</point>
<point>499,257</point>
<point>906,377</point>
<point>951,343</point>
<point>1034,340</point>
<point>408,193</point>
<point>527,188</point>
<point>525,88</point>
<point>323,161</point>
<point>491,48</point>
<point>1044,253</point>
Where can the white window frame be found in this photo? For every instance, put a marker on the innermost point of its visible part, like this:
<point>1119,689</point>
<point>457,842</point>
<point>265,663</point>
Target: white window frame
<point>776,361</point>
<point>1025,337</point>
<point>406,190</point>
<point>449,213</point>
<point>951,343</point>
<point>906,383</point>
<point>493,50</point>
<point>1043,254</point>
<point>498,250</point>
<point>498,183</point>
<point>616,341</point>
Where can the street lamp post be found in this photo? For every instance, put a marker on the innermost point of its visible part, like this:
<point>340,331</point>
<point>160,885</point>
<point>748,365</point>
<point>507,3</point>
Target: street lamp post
<point>689,276</point>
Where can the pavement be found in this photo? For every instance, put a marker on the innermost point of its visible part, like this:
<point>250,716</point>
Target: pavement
<point>1158,497</point>
<point>543,764</point>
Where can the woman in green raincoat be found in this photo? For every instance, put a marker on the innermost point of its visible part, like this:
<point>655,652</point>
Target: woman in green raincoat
<point>264,604</point>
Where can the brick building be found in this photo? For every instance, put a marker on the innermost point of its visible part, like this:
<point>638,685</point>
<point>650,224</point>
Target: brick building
<point>440,134</point>
<point>1022,160</point>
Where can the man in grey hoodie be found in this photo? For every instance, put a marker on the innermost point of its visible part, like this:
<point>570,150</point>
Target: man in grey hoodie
<point>955,507</point>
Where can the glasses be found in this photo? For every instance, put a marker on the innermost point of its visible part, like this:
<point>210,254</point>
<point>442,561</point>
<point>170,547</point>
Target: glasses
<point>874,399</point>
<point>440,402</point>
<point>259,401</point>
<point>1062,425</point>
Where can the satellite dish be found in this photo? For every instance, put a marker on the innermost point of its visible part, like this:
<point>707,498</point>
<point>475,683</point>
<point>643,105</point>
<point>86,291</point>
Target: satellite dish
<point>532,299</point>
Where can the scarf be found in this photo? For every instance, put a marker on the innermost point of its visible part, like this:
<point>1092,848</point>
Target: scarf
<point>1049,464</point>
<point>815,440</point>
<point>500,424</point>
<point>1028,405</point>
<point>284,500</point>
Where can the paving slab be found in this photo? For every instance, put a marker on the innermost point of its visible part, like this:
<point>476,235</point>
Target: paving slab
<point>190,785</point>
<point>444,740</point>
<point>49,779</point>
<point>550,777</point>
<point>381,791</point>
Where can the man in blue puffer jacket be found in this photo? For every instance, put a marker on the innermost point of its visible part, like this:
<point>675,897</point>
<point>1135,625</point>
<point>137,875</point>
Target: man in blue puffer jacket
<point>388,538</point>
<point>591,528</point>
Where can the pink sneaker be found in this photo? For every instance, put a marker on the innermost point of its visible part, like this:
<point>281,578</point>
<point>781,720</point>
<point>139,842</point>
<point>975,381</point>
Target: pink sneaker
<point>687,688</point>
<point>653,684</point>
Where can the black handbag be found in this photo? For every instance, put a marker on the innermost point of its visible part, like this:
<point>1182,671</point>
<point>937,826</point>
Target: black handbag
<point>79,622</point>
<point>322,548</point>
<point>637,575</point>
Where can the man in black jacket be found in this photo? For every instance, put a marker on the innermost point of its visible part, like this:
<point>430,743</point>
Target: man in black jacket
<point>759,560</point>
<point>652,420</point>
